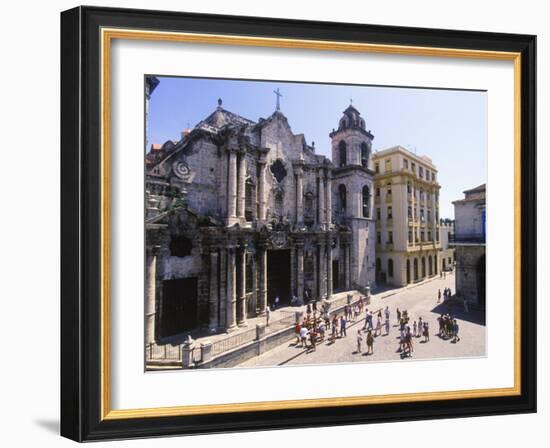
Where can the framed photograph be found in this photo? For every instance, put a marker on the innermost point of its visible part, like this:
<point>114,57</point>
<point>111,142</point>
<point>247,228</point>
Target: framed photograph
<point>273,223</point>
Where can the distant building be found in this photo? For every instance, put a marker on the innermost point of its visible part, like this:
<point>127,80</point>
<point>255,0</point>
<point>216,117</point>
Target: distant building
<point>446,235</point>
<point>406,202</point>
<point>469,243</point>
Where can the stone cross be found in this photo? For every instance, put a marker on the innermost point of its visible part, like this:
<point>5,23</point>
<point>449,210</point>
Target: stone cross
<point>279,95</point>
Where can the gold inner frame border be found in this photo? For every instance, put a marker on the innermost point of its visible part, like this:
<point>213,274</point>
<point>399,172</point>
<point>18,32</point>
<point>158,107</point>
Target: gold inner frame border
<point>107,35</point>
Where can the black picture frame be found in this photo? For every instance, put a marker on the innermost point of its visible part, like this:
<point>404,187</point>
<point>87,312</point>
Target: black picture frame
<point>81,209</point>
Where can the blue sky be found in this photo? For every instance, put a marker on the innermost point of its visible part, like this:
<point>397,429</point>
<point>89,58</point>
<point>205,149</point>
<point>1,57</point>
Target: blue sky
<point>449,126</point>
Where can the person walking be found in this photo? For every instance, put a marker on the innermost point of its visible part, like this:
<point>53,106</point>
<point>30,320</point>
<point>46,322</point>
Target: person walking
<point>343,327</point>
<point>267,315</point>
<point>370,343</point>
<point>455,331</point>
<point>387,313</point>
<point>313,338</point>
<point>378,330</point>
<point>398,316</point>
<point>276,302</point>
<point>414,329</point>
<point>408,342</point>
<point>438,295</point>
<point>334,328</point>
<point>366,319</point>
<point>387,326</point>
<point>297,330</point>
<point>359,341</point>
<point>303,336</point>
<point>426,332</point>
<point>419,326</point>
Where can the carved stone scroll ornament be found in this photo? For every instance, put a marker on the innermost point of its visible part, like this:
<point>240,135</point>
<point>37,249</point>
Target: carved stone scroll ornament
<point>181,170</point>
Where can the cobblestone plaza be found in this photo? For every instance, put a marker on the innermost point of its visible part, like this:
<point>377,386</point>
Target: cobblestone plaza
<point>421,301</point>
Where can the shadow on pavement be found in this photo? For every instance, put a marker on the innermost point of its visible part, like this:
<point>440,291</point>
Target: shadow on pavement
<point>456,308</point>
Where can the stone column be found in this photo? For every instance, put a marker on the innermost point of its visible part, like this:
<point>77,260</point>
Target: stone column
<point>261,190</point>
<point>347,253</point>
<point>321,199</point>
<point>262,262</point>
<point>293,275</point>
<point>315,289</point>
<point>300,272</point>
<point>322,274</point>
<point>299,196</point>
<point>150,294</point>
<point>213,305</point>
<point>329,270</point>
<point>241,186</point>
<point>434,220</point>
<point>231,306</point>
<point>232,189</point>
<point>329,199</point>
<point>241,319</point>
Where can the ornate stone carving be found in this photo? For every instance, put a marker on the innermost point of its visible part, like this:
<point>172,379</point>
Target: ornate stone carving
<point>181,170</point>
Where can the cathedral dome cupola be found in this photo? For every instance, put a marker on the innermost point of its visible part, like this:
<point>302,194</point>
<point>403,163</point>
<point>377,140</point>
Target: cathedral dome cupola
<point>351,119</point>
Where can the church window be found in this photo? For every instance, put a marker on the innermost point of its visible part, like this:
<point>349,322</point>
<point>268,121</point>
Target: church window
<point>278,169</point>
<point>342,198</point>
<point>366,202</point>
<point>378,237</point>
<point>390,213</point>
<point>390,237</point>
<point>390,268</point>
<point>364,155</point>
<point>405,164</point>
<point>249,200</point>
<point>387,166</point>
<point>378,216</point>
<point>389,188</point>
<point>377,168</point>
<point>342,150</point>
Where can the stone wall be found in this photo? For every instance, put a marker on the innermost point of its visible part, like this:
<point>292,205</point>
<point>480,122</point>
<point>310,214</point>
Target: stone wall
<point>467,278</point>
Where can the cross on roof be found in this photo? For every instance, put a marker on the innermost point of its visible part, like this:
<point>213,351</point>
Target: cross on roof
<point>279,95</point>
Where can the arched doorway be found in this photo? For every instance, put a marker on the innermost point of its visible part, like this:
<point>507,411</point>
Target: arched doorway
<point>415,267</point>
<point>423,267</point>
<point>408,271</point>
<point>430,266</point>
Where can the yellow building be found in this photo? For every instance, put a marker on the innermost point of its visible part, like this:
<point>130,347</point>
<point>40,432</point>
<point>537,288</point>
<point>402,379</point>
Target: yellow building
<point>406,203</point>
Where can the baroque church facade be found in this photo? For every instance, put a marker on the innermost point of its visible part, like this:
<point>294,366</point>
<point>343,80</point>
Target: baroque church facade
<point>240,212</point>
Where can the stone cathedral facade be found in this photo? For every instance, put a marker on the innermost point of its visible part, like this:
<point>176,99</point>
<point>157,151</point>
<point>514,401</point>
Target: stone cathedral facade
<point>240,212</point>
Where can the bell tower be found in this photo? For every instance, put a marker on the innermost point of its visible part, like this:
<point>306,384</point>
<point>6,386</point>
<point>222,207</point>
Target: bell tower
<point>351,143</point>
<point>352,192</point>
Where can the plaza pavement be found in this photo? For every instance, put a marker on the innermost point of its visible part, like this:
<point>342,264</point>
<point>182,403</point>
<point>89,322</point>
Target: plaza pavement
<point>420,300</point>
